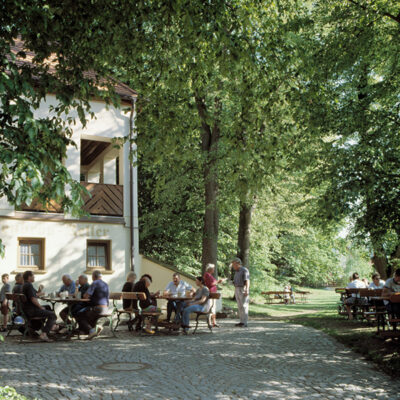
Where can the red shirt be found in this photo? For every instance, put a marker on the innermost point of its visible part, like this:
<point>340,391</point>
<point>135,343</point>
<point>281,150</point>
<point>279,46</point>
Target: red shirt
<point>210,282</point>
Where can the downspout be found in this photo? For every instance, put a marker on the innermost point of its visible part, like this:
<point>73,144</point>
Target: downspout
<point>132,253</point>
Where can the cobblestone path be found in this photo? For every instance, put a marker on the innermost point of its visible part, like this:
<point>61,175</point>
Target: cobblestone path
<point>268,360</point>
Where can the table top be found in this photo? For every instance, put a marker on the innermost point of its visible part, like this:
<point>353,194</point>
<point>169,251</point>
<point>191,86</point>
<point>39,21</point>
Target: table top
<point>174,298</point>
<point>66,300</point>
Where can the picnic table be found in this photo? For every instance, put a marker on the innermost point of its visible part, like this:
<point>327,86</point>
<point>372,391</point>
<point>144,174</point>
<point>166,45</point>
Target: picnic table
<point>270,296</point>
<point>70,323</point>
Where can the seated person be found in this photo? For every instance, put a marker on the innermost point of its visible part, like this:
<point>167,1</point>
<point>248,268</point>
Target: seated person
<point>19,282</point>
<point>17,289</point>
<point>32,307</point>
<point>176,287</point>
<point>356,283</point>
<point>199,303</point>
<point>392,285</point>
<point>98,293</point>
<point>68,285</point>
<point>6,288</point>
<point>377,282</point>
<point>128,287</point>
<point>81,287</point>
<point>147,305</point>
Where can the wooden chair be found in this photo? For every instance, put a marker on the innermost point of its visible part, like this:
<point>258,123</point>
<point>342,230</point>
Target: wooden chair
<point>207,315</point>
<point>129,312</point>
<point>18,299</point>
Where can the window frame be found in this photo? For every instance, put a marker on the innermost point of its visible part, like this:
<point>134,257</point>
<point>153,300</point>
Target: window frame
<point>107,244</point>
<point>42,248</point>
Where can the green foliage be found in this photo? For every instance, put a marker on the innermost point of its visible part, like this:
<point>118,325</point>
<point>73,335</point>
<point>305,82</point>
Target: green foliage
<point>32,146</point>
<point>10,393</point>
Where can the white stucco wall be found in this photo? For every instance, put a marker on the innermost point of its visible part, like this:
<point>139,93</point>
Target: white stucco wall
<point>65,248</point>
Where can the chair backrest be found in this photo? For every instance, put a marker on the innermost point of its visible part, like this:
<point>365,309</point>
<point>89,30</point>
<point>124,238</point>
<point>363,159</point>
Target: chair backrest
<point>215,295</point>
<point>395,298</point>
<point>351,291</point>
<point>133,296</point>
<point>115,296</point>
<point>17,297</point>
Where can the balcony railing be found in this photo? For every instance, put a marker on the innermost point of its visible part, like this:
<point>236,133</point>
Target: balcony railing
<point>104,199</point>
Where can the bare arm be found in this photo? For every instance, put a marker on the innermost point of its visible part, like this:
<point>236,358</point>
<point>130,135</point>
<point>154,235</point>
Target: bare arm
<point>246,287</point>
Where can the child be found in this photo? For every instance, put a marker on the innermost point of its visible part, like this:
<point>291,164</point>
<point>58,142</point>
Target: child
<point>3,300</point>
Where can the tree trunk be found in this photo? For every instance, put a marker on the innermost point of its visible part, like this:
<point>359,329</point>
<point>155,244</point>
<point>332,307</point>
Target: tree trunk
<point>209,146</point>
<point>245,214</point>
<point>380,264</point>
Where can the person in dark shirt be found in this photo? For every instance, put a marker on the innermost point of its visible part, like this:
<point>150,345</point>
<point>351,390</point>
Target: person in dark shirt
<point>17,289</point>
<point>32,307</point>
<point>149,304</point>
<point>98,293</point>
<point>127,304</point>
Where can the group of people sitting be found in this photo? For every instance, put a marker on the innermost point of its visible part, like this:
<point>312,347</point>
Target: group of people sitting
<point>390,286</point>
<point>182,299</point>
<point>86,313</point>
<point>177,287</point>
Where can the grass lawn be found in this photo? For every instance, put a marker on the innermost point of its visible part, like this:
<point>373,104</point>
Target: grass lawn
<point>320,312</point>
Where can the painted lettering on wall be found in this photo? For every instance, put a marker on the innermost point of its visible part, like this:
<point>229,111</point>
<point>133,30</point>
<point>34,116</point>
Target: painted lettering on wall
<point>90,230</point>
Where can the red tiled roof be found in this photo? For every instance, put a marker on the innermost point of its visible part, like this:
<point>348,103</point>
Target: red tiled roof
<point>124,91</point>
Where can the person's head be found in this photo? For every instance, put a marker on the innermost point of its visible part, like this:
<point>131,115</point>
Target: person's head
<point>5,278</point>
<point>176,278</point>
<point>131,277</point>
<point>396,276</point>
<point>210,268</point>
<point>96,274</point>
<point>83,279</point>
<point>376,278</point>
<point>28,276</point>
<point>146,280</point>
<point>199,281</point>
<point>356,276</point>
<point>236,263</point>
<point>146,276</point>
<point>67,280</point>
<point>19,278</point>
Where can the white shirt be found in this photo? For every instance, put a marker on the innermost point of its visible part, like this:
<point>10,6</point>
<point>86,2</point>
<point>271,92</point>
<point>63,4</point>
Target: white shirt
<point>373,286</point>
<point>356,284</point>
<point>182,286</point>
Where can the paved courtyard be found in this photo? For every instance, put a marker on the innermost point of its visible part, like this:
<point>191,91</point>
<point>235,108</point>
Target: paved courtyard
<point>269,360</point>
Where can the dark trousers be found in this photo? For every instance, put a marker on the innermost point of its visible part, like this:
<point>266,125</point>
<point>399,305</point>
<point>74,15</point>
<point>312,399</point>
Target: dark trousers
<point>175,306</point>
<point>393,309</point>
<point>49,315</point>
<point>87,318</point>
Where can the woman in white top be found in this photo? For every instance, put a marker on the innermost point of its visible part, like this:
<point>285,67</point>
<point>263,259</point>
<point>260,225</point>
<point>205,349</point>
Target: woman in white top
<point>377,282</point>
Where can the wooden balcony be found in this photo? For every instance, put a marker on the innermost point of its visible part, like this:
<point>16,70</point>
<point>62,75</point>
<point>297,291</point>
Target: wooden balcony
<point>105,200</point>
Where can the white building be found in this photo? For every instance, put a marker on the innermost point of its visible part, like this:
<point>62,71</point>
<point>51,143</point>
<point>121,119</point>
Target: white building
<point>52,243</point>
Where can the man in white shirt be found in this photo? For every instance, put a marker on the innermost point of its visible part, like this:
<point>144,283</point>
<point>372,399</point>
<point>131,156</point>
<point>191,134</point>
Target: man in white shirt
<point>377,282</point>
<point>175,288</point>
<point>356,283</point>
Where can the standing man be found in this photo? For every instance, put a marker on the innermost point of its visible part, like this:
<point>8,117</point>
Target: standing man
<point>241,280</point>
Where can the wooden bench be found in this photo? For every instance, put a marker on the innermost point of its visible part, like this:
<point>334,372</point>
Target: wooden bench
<point>208,314</point>
<point>18,299</point>
<point>363,310</point>
<point>139,315</point>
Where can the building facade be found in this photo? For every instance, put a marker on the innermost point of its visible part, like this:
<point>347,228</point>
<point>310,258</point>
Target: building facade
<point>51,242</point>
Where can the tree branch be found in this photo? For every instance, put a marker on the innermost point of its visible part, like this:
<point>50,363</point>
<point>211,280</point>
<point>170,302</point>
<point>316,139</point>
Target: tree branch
<point>386,14</point>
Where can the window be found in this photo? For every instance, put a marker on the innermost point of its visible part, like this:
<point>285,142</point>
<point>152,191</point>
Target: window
<point>31,254</point>
<point>98,255</point>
